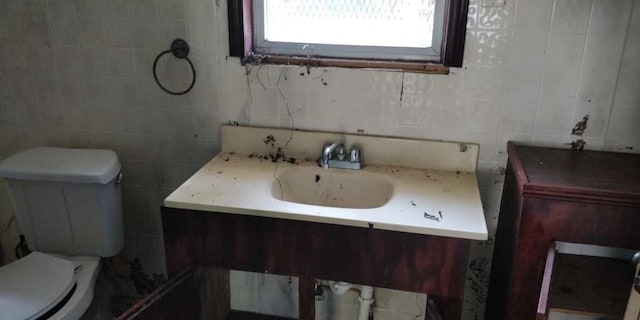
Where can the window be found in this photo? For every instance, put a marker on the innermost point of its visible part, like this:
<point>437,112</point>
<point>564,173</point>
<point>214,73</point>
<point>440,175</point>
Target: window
<point>419,35</point>
<point>383,29</point>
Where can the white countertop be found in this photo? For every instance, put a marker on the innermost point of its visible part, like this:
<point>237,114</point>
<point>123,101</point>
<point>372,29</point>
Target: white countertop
<point>239,184</point>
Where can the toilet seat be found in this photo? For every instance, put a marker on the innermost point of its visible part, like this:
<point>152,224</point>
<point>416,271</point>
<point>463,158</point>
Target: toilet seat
<point>88,268</point>
<point>70,306</point>
<point>33,285</point>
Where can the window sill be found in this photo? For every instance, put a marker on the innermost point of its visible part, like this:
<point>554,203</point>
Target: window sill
<point>408,66</point>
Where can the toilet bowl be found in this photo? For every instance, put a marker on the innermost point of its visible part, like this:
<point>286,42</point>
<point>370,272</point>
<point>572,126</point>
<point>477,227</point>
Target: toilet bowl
<point>68,205</point>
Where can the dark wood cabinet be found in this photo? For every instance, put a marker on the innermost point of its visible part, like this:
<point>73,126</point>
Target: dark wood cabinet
<point>396,260</point>
<point>552,195</point>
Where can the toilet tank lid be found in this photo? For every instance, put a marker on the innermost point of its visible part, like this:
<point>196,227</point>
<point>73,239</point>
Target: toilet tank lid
<point>62,165</point>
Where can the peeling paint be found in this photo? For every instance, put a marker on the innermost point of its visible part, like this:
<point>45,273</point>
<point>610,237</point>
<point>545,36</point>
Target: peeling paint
<point>578,130</point>
<point>578,144</point>
<point>581,126</point>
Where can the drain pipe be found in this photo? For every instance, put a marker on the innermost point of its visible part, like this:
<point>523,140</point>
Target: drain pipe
<point>366,300</point>
<point>340,287</point>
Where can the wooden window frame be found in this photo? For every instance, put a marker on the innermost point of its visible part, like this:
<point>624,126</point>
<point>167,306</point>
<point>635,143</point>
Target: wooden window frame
<point>241,43</point>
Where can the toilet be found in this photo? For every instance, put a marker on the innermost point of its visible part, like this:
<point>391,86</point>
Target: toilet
<point>69,207</point>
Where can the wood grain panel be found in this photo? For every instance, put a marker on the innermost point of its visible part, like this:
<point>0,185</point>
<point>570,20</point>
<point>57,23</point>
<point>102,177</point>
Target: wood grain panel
<point>592,286</point>
<point>214,293</point>
<point>402,261</point>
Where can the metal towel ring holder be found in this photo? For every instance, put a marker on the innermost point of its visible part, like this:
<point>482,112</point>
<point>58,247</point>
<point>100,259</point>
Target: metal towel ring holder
<point>180,50</point>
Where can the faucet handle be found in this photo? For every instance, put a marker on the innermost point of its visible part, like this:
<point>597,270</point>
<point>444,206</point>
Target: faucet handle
<point>355,155</point>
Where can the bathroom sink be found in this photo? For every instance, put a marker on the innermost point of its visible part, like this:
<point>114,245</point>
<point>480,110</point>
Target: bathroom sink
<point>332,188</point>
<point>408,185</point>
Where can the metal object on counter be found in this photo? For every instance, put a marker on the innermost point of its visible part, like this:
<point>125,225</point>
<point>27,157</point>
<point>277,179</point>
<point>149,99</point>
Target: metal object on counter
<point>335,156</point>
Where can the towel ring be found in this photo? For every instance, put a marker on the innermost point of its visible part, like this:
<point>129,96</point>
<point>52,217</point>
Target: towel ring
<point>180,50</point>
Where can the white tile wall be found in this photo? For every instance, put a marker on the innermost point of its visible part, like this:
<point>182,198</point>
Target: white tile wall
<point>265,294</point>
<point>78,73</point>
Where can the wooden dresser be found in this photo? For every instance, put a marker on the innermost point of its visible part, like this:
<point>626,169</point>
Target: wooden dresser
<point>552,195</point>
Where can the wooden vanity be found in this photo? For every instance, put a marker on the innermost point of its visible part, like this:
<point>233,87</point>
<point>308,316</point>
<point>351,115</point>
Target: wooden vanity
<point>237,212</point>
<point>403,261</point>
<point>551,195</point>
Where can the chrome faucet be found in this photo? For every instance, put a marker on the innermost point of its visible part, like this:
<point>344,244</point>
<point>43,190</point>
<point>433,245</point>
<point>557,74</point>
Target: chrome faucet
<point>327,152</point>
<point>337,148</point>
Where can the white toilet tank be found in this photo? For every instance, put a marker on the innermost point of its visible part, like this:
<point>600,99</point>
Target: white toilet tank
<point>67,201</point>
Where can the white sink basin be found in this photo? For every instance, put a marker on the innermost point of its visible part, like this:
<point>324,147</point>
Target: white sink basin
<point>332,188</point>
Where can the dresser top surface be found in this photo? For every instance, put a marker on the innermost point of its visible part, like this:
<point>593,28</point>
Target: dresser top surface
<point>571,170</point>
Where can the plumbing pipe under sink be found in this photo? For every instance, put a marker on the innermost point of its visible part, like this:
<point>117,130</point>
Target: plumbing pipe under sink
<point>340,287</point>
<point>365,298</point>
